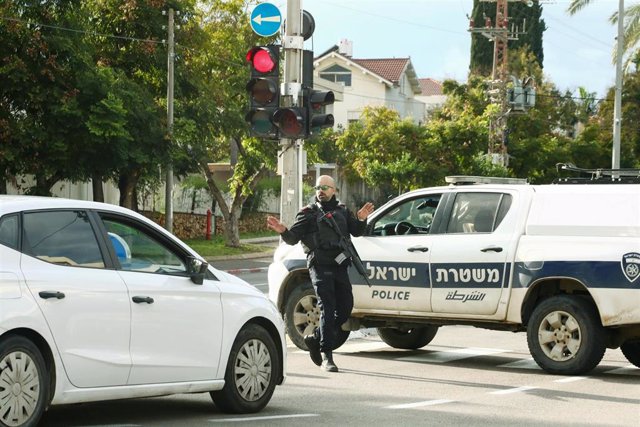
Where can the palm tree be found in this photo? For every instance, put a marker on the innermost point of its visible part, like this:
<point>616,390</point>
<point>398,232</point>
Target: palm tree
<point>631,27</point>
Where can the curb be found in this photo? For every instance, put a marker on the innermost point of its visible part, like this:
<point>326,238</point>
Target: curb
<point>246,270</point>
<point>267,254</point>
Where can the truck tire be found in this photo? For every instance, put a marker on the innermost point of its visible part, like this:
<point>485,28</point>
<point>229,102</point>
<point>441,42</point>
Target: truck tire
<point>408,339</point>
<point>631,350</point>
<point>565,336</point>
<point>302,316</point>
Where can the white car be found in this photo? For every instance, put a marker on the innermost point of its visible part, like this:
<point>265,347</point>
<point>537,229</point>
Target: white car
<point>97,303</point>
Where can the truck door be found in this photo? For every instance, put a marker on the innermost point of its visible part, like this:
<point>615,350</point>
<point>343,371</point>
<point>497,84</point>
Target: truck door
<point>469,269</point>
<point>396,255</point>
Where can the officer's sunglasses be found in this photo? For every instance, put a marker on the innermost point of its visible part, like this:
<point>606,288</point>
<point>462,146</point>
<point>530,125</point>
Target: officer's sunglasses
<point>322,187</point>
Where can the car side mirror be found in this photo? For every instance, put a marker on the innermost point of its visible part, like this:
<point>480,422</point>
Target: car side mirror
<point>197,269</point>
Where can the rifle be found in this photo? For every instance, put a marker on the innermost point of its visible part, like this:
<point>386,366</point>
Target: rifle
<point>347,247</point>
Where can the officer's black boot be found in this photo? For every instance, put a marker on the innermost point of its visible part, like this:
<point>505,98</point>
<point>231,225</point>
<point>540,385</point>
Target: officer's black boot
<point>314,349</point>
<point>327,363</point>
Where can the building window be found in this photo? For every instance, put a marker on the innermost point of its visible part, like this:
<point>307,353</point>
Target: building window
<point>337,74</point>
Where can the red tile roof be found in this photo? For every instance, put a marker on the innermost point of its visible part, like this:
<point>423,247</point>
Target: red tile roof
<point>430,87</point>
<point>387,68</point>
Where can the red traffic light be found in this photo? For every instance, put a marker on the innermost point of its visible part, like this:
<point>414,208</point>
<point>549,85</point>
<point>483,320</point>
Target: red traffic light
<point>290,121</point>
<point>262,59</point>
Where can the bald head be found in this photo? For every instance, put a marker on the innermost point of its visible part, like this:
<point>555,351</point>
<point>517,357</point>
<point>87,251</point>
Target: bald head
<point>325,188</point>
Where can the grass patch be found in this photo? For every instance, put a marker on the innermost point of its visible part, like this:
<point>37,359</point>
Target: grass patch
<point>216,246</point>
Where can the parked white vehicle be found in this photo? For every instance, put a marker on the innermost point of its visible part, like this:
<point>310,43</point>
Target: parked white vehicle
<point>561,262</point>
<point>98,302</point>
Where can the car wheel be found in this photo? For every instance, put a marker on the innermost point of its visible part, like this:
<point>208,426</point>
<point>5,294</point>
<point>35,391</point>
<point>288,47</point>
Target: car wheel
<point>565,336</point>
<point>252,371</point>
<point>631,350</point>
<point>24,383</point>
<point>302,316</point>
<point>408,339</point>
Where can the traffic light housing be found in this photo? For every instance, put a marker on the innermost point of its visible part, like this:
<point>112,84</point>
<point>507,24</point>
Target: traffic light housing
<point>314,100</point>
<point>291,122</point>
<point>263,89</point>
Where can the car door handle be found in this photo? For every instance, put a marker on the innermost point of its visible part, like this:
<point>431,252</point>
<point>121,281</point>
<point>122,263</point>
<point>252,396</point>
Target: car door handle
<point>51,294</point>
<point>139,300</point>
<point>418,249</point>
<point>491,249</point>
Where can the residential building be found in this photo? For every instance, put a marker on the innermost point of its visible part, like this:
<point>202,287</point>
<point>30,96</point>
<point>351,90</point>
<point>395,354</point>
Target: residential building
<point>389,82</point>
<point>431,95</point>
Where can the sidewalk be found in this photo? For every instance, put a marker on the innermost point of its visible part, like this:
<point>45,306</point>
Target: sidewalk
<point>247,263</point>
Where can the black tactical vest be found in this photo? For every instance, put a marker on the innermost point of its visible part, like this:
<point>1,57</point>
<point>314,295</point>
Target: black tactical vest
<point>323,243</point>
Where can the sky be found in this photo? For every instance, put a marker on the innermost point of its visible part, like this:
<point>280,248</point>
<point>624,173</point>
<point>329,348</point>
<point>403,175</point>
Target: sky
<point>433,33</point>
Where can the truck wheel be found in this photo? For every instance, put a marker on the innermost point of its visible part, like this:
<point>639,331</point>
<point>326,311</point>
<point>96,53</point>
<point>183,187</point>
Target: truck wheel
<point>631,350</point>
<point>565,335</point>
<point>408,339</point>
<point>24,383</point>
<point>251,374</point>
<point>302,316</point>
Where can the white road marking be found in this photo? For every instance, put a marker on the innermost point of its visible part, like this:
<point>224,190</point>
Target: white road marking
<point>521,364</point>
<point>272,417</point>
<point>513,390</point>
<point>449,356</point>
<point>419,404</point>
<point>569,379</point>
<point>627,370</point>
<point>361,346</point>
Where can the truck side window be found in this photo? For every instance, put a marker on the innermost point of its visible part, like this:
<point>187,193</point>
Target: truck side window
<point>478,212</point>
<point>412,216</point>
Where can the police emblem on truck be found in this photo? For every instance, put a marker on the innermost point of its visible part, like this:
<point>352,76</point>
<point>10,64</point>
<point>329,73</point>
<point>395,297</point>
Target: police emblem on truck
<point>631,265</point>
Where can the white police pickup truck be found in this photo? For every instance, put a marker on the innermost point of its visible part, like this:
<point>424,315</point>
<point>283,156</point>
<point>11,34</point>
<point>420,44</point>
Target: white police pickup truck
<point>559,261</point>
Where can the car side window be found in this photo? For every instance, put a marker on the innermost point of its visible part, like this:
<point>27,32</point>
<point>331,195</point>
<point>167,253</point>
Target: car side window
<point>9,231</point>
<point>478,212</point>
<point>412,216</point>
<point>138,250</point>
<point>62,237</point>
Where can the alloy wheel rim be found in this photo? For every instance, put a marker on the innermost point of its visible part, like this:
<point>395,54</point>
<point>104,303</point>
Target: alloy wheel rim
<point>306,316</point>
<point>253,370</point>
<point>560,336</point>
<point>19,388</point>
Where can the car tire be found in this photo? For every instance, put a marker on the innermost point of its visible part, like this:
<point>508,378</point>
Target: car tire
<point>631,350</point>
<point>302,316</point>
<point>408,339</point>
<point>24,383</point>
<point>252,372</point>
<point>565,336</point>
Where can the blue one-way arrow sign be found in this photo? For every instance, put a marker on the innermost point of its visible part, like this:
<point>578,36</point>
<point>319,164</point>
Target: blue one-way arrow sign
<point>266,19</point>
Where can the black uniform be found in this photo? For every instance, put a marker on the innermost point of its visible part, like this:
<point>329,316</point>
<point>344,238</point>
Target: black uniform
<point>330,279</point>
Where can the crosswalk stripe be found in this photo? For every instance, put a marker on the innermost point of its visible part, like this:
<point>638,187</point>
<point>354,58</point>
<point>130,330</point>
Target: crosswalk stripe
<point>418,404</point>
<point>521,364</point>
<point>449,356</point>
<point>626,370</point>
<point>513,390</point>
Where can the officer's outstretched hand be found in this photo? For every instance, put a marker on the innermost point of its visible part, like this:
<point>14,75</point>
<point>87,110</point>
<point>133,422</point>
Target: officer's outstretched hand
<point>274,224</point>
<point>365,211</point>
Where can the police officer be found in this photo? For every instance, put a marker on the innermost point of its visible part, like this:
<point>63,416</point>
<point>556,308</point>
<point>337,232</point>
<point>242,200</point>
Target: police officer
<point>326,262</point>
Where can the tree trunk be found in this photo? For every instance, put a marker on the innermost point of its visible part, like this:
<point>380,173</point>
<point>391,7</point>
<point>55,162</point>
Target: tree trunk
<point>98,191</point>
<point>232,229</point>
<point>127,186</point>
<point>3,183</point>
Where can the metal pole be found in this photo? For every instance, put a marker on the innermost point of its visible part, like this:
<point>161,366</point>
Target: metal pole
<point>168,223</point>
<point>290,149</point>
<point>617,106</point>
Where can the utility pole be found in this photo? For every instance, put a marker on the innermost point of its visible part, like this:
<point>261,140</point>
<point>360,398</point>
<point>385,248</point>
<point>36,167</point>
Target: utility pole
<point>500,33</point>
<point>291,149</point>
<point>617,105</point>
<point>168,223</point>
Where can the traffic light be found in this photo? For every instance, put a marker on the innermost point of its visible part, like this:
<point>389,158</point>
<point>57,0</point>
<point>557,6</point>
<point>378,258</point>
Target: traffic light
<point>263,89</point>
<point>317,118</point>
<point>291,121</point>
<point>314,100</point>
